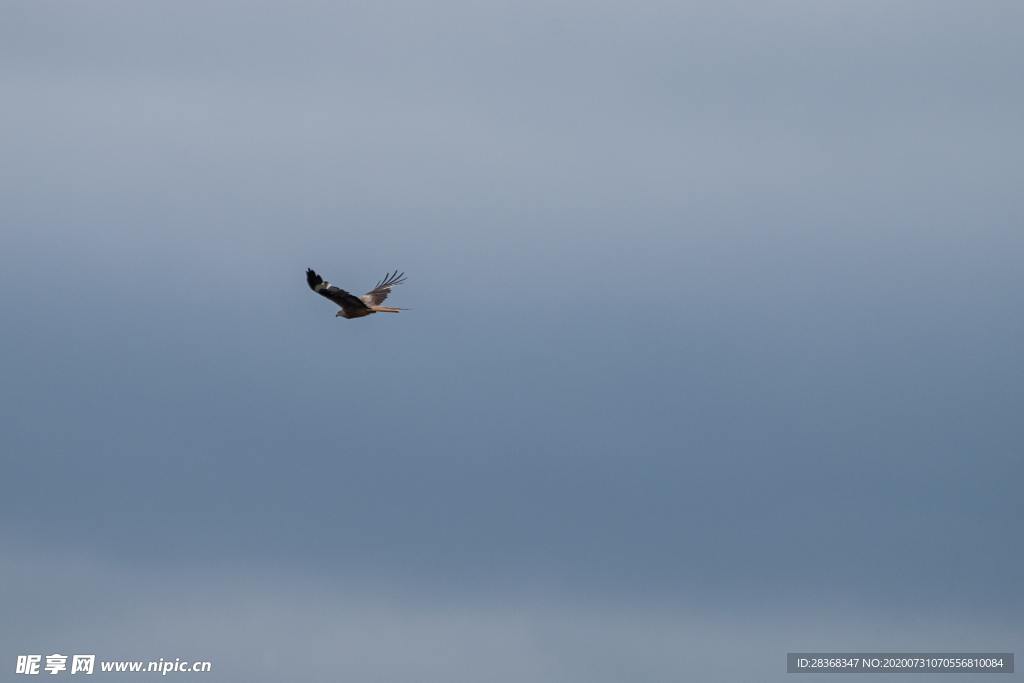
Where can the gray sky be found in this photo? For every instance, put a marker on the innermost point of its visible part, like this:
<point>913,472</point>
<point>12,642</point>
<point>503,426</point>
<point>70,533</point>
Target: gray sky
<point>715,339</point>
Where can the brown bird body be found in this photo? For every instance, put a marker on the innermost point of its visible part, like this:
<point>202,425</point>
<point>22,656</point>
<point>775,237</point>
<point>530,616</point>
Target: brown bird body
<point>356,306</point>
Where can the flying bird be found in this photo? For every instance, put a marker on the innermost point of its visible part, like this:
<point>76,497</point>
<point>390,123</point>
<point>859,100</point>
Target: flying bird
<point>357,306</point>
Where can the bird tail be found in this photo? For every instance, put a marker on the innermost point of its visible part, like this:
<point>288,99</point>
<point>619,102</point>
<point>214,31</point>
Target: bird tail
<point>386,309</point>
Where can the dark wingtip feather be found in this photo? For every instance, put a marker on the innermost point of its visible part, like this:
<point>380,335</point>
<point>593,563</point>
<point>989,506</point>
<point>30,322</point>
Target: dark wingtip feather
<point>312,279</point>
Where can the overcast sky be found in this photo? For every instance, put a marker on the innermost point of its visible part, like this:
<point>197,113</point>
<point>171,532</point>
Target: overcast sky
<point>714,350</point>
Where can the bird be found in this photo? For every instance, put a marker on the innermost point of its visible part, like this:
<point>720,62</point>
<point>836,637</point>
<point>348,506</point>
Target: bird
<point>357,306</point>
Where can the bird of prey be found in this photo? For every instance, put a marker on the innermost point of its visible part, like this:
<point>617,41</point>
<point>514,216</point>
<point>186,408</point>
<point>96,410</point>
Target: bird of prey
<point>357,306</point>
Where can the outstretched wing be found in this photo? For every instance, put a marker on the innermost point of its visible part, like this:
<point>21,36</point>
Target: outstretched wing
<point>348,302</point>
<point>378,294</point>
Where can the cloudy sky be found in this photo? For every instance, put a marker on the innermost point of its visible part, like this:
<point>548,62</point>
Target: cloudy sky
<point>714,350</point>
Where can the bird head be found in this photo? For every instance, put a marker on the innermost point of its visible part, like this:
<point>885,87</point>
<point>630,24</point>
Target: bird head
<point>339,314</point>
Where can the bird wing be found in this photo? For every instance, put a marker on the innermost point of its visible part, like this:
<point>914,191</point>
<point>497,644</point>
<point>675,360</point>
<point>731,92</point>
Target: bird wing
<point>379,293</point>
<point>348,302</point>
